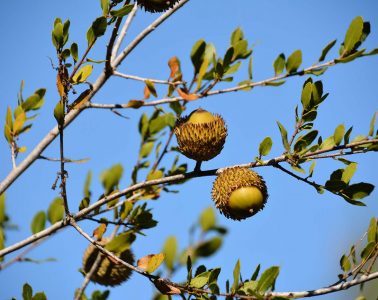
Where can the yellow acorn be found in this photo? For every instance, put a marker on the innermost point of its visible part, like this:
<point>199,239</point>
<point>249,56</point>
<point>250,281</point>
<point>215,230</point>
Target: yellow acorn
<point>157,5</point>
<point>109,273</point>
<point>239,193</point>
<point>201,135</point>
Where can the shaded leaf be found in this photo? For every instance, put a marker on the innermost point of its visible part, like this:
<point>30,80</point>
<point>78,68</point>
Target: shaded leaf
<point>209,247</point>
<point>27,292</point>
<point>373,230</point>
<point>99,26</point>
<point>110,178</point>
<point>197,54</point>
<point>151,87</point>
<point>368,250</point>
<point>146,149</point>
<point>345,263</point>
<point>135,103</point>
<point>359,190</point>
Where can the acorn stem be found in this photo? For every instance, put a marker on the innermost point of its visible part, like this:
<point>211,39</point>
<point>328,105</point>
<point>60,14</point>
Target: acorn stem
<point>197,168</point>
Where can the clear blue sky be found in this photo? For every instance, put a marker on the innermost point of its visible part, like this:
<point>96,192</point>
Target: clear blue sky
<point>303,232</point>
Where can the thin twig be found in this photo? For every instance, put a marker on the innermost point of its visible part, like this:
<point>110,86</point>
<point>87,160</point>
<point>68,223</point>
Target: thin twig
<point>63,172</point>
<point>13,154</point>
<point>20,257</point>
<point>137,78</point>
<point>164,180</point>
<point>165,150</point>
<point>123,32</point>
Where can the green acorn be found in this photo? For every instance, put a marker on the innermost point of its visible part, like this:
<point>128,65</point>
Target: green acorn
<point>157,5</point>
<point>109,273</point>
<point>201,135</point>
<point>239,193</point>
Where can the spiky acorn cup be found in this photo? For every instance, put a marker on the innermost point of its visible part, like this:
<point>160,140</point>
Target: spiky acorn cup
<point>157,5</point>
<point>108,273</point>
<point>201,135</point>
<point>239,193</point>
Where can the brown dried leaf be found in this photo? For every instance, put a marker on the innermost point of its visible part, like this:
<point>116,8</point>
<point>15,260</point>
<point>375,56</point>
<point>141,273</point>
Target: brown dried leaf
<point>187,97</point>
<point>81,100</point>
<point>135,103</point>
<point>146,92</point>
<point>174,65</point>
<point>165,287</point>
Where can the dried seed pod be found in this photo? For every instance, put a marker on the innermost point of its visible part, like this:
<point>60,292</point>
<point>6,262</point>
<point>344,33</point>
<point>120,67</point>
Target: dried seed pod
<point>201,135</point>
<point>239,193</point>
<point>109,273</point>
<point>157,5</point>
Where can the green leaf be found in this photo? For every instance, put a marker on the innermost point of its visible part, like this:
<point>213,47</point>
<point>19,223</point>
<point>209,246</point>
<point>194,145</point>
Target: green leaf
<point>105,7</point>
<point>303,141</point>
<point>294,61</point>
<point>207,219</point>
<point>283,132</point>
<point>268,279</point>
<point>250,68</point>
<point>339,134</point>
<point>125,209</point>
<point>236,36</point>
<point>55,212</point>
<point>200,280</point>
<point>236,274</point>
<point>256,273</point>
<point>151,87</point>
<point>347,135</point>
<point>373,230</point>
<point>197,54</point>
<point>146,149</point>
<point>2,209</point>
<point>202,72</point>
<point>326,50</point>
<point>349,172</point>
<point>99,26</point>
<point>120,242</point>
<point>59,112</point>
<point>82,74</point>
<point>368,250</point>
<point>279,64</point>
<point>39,296</point>
<point>312,167</point>
<point>27,292</point>
<point>372,123</point>
<point>359,190</point>
<point>39,222</point>
<point>328,143</point>
<point>57,34</point>
<point>306,95</point>
<point>275,83</point>
<point>110,178</point>
<point>170,252</point>
<point>75,52</point>
<point>345,263</point>
<point>265,146</point>
<point>353,36</point>
<point>161,122</point>
<point>123,11</point>
<point>350,57</point>
<point>209,247</point>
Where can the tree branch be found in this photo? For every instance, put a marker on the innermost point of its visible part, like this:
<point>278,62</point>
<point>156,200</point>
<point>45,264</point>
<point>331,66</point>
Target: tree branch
<point>137,78</point>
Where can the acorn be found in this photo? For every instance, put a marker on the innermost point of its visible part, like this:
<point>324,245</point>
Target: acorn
<point>201,135</point>
<point>109,273</point>
<point>157,5</point>
<point>239,193</point>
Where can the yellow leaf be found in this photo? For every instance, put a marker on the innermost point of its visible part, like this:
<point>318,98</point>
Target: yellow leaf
<point>19,122</point>
<point>150,262</point>
<point>82,74</point>
<point>22,149</point>
<point>99,231</point>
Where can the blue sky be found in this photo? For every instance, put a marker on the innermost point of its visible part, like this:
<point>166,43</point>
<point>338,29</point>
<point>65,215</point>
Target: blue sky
<point>303,232</point>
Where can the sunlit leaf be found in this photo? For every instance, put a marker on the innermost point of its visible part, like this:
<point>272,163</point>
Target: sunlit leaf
<point>151,262</point>
<point>283,132</point>
<point>268,279</point>
<point>265,146</point>
<point>125,10</point>
<point>55,212</point>
<point>200,280</point>
<point>170,252</point>
<point>82,74</point>
<point>207,219</point>
<point>279,64</point>
<point>121,242</point>
<point>294,61</point>
<point>236,274</point>
<point>39,222</point>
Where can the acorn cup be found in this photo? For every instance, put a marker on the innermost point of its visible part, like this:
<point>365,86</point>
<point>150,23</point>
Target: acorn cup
<point>239,193</point>
<point>157,5</point>
<point>108,273</point>
<point>201,135</point>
